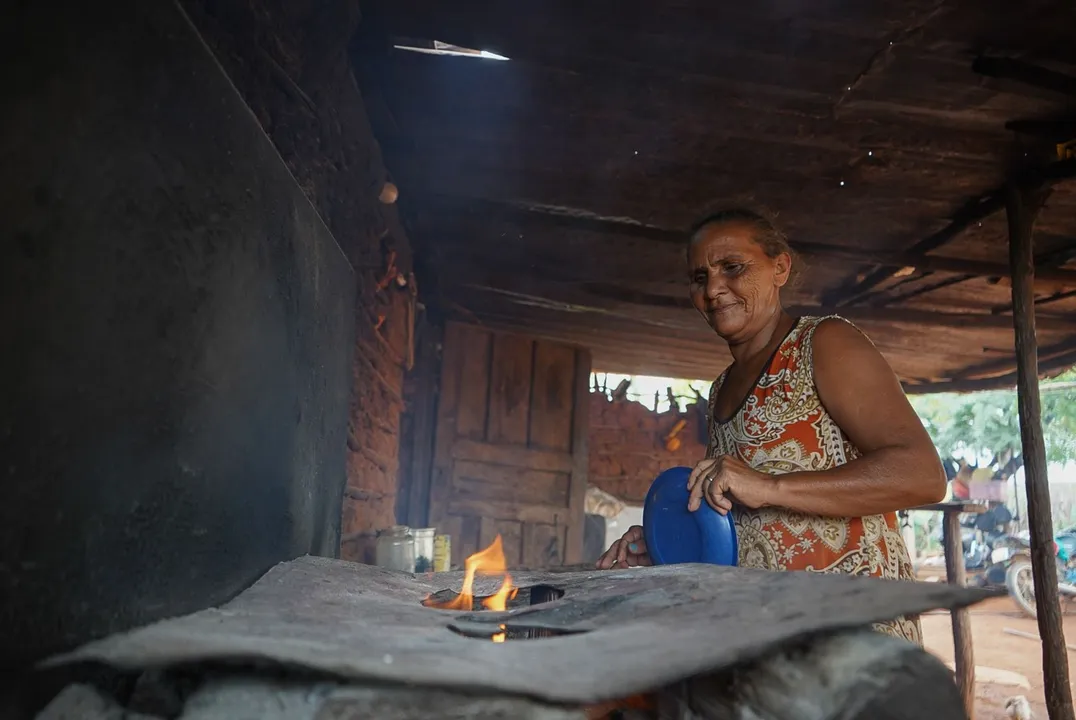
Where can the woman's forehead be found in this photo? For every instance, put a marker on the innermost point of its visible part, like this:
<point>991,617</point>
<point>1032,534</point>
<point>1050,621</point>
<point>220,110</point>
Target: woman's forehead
<point>727,233</point>
<point>717,242</point>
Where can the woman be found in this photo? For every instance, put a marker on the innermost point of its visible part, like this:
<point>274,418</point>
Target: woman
<point>813,445</point>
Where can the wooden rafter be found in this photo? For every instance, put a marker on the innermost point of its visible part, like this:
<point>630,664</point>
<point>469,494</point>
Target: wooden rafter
<point>1005,366</point>
<point>973,211</point>
<point>997,373</point>
<point>1006,68</point>
<point>586,222</point>
<point>1053,131</point>
<point>603,299</point>
<point>1046,263</point>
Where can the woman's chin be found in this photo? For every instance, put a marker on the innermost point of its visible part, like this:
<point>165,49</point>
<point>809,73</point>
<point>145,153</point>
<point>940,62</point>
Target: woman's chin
<point>727,324</point>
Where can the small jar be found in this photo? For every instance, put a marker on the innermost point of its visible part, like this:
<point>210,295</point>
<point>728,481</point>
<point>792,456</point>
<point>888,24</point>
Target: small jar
<point>396,549</point>
<point>423,549</point>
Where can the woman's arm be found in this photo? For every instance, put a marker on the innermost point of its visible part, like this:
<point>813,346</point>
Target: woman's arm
<point>899,467</point>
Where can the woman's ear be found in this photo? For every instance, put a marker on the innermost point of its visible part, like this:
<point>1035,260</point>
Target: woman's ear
<point>782,269</point>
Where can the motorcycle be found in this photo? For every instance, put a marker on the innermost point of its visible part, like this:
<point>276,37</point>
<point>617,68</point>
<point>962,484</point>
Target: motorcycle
<point>1003,548</point>
<point>987,548</point>
<point>1018,578</point>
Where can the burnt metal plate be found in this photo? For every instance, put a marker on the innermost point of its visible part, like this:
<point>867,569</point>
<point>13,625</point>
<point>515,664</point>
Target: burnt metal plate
<point>624,631</point>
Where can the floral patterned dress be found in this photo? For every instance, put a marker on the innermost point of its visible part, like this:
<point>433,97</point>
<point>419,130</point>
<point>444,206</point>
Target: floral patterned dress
<point>783,427</point>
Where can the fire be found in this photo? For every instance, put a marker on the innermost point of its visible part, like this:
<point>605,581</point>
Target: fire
<point>487,562</point>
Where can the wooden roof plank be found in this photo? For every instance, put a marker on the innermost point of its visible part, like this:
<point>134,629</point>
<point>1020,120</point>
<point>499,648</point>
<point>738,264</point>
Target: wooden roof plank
<point>632,30</point>
<point>539,219</point>
<point>551,135</point>
<point>973,211</point>
<point>675,312</point>
<point>1026,73</point>
<point>621,345</point>
<point>462,96</point>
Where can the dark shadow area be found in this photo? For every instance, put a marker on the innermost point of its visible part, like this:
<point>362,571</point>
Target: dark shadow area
<point>178,332</point>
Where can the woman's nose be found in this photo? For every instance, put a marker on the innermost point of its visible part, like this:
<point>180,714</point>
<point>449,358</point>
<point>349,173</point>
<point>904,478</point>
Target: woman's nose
<point>715,287</point>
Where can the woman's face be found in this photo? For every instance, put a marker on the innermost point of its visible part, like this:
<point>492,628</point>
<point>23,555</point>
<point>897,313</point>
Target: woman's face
<point>734,284</point>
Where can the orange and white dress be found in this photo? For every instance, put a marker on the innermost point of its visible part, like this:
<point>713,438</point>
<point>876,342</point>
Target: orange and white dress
<point>782,427</point>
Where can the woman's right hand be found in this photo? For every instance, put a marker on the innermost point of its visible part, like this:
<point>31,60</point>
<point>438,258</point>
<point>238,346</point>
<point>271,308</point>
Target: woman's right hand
<point>628,551</point>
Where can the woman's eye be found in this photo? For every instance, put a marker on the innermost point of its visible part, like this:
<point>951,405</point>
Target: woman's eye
<point>698,279</point>
<point>734,268</point>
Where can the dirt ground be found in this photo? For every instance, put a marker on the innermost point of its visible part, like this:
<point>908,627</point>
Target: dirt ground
<point>997,651</point>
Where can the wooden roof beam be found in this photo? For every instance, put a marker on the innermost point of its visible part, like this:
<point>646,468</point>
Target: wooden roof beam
<point>625,346</point>
<point>1045,263</point>
<point>587,222</point>
<point>1005,68</point>
<point>973,211</point>
<point>935,263</point>
<point>1053,131</point>
<point>1007,366</point>
<point>600,292</point>
<point>1006,380</point>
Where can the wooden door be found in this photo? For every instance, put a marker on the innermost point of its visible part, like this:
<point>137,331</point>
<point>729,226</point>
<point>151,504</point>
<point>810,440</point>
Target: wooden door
<point>511,446</point>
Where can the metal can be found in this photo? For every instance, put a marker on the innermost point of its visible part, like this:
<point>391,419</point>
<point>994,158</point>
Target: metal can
<point>423,549</point>
<point>442,553</point>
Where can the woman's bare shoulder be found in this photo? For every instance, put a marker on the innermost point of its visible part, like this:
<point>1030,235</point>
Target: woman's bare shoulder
<point>836,334</point>
<point>845,360</point>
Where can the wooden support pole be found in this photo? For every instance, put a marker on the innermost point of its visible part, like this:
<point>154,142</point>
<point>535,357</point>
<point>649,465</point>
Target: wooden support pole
<point>1022,205</point>
<point>426,376</point>
<point>963,656</point>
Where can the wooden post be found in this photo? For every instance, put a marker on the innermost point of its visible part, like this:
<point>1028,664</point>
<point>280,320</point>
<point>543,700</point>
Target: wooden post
<point>963,657</point>
<point>423,423</point>
<point>1022,205</point>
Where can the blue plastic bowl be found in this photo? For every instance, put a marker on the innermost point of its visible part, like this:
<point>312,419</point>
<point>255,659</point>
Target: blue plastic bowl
<point>675,535</point>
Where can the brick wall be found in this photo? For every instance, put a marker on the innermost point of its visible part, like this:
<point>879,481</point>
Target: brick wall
<point>627,446</point>
<point>289,60</point>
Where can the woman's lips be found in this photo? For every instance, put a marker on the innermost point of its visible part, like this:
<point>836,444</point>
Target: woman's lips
<point>722,309</point>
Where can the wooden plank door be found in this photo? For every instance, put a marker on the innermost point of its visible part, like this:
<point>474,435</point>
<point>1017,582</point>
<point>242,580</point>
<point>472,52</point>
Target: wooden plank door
<point>511,446</point>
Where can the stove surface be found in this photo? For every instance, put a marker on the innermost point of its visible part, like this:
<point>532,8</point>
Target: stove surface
<point>616,632</point>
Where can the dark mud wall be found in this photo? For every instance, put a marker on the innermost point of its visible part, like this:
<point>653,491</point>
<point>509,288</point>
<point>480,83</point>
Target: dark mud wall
<point>177,326</point>
<point>289,60</point>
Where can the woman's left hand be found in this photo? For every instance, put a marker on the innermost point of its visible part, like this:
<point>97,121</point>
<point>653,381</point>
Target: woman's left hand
<point>723,479</point>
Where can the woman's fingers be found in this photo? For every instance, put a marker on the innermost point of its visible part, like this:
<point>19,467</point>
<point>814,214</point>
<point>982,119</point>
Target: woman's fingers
<point>718,500</point>
<point>628,551</point>
<point>608,558</point>
<point>696,484</point>
<point>635,547</point>
<point>699,471</point>
<point>601,560</point>
<point>707,483</point>
<point>629,546</point>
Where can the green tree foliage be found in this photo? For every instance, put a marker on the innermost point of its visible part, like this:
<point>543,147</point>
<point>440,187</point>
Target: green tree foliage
<point>986,425</point>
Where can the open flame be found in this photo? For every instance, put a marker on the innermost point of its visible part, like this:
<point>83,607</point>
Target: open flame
<point>487,562</point>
